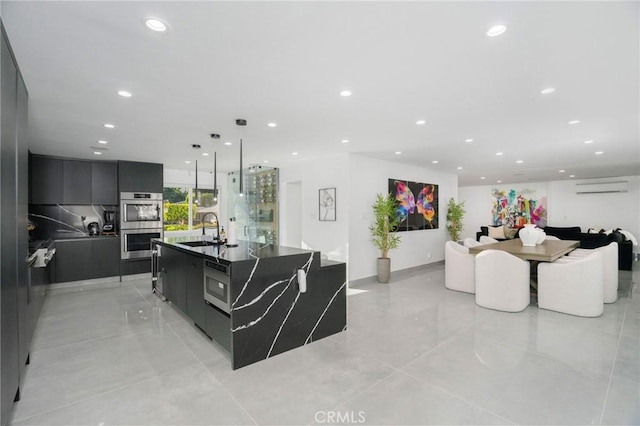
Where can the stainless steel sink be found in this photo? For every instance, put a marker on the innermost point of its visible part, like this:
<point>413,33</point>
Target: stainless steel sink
<point>200,243</point>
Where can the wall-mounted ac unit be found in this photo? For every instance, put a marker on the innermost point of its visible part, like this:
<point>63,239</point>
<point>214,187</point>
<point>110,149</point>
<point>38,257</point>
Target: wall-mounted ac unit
<point>602,187</point>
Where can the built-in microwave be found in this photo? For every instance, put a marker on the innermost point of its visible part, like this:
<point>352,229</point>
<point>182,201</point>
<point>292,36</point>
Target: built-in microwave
<point>217,283</point>
<point>140,210</point>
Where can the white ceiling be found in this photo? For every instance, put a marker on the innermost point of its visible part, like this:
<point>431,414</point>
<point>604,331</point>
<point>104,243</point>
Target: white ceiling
<point>287,62</point>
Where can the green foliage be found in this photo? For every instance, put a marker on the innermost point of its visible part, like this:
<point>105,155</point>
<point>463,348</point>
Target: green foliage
<point>455,215</point>
<point>382,234</point>
<point>174,195</point>
<point>177,213</point>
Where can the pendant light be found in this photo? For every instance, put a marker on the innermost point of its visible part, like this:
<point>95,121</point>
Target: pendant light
<point>241,122</point>
<point>215,178</point>
<point>195,199</point>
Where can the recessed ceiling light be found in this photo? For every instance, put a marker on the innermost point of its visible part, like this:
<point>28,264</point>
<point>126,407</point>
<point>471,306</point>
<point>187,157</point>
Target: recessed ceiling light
<point>97,152</point>
<point>459,167</point>
<point>205,153</point>
<point>499,181</point>
<point>109,126</point>
<point>435,161</point>
<point>187,162</point>
<point>588,141</point>
<point>398,152</point>
<point>572,175</point>
<point>124,94</point>
<point>294,153</point>
<point>420,122</point>
<point>519,161</point>
<point>272,124</point>
<point>345,141</point>
<point>498,153</point>
<point>228,143</point>
<point>345,93</point>
<point>574,121</point>
<point>103,142</point>
<point>468,140</point>
<point>155,24</point>
<point>496,30</point>
<point>482,177</point>
<point>561,171</point>
<point>599,152</point>
<point>265,161</point>
<point>548,90</point>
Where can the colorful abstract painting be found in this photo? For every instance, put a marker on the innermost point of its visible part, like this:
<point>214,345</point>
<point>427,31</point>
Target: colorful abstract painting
<point>517,208</point>
<point>417,204</point>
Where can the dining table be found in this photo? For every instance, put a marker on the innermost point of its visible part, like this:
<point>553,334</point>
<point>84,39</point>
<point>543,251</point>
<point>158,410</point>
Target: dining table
<point>548,251</point>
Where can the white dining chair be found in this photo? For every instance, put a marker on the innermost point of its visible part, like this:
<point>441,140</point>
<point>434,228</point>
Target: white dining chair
<point>470,242</point>
<point>487,240</point>
<point>572,286</point>
<point>609,265</point>
<point>459,268</point>
<point>502,281</point>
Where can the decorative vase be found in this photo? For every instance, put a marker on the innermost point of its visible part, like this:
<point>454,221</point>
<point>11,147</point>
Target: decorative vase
<point>541,236</point>
<point>529,235</point>
<point>384,269</point>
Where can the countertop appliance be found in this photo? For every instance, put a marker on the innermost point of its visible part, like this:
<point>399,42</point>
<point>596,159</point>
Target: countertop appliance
<point>93,228</point>
<point>109,226</point>
<point>217,283</point>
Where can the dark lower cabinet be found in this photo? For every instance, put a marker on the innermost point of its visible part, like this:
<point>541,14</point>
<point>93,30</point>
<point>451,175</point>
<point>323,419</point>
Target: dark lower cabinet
<point>175,283</point>
<point>195,291</point>
<point>135,266</point>
<point>218,326</point>
<point>87,259</point>
<point>106,257</point>
<point>73,260</point>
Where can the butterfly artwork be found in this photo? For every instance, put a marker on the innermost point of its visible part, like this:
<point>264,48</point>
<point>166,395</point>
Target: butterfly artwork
<point>417,204</point>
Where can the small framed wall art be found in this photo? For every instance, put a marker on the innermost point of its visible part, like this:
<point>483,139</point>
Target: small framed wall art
<point>327,204</point>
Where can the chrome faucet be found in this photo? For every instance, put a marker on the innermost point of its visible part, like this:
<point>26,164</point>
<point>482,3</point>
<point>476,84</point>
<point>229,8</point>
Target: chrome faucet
<point>217,224</point>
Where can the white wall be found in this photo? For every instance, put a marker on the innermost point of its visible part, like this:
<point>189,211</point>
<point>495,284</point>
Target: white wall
<point>368,177</point>
<point>330,238</point>
<point>565,207</point>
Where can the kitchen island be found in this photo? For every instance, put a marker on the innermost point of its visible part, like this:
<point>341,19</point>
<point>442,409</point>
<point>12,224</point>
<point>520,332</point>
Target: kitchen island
<point>268,310</point>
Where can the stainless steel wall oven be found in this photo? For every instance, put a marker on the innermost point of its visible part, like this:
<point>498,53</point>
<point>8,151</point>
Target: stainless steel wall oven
<point>136,243</point>
<point>139,210</point>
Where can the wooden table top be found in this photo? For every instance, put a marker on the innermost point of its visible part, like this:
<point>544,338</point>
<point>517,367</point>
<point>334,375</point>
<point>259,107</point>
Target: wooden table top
<point>548,251</point>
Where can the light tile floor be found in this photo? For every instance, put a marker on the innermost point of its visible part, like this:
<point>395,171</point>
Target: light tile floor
<point>414,353</point>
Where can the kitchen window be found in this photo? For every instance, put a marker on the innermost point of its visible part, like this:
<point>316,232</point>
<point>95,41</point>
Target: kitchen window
<point>182,212</point>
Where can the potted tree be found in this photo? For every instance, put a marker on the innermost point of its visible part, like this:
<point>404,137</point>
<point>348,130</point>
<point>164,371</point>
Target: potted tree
<point>455,214</point>
<point>383,233</point>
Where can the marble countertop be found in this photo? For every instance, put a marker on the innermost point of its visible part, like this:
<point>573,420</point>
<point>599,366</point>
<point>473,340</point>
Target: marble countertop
<point>243,252</point>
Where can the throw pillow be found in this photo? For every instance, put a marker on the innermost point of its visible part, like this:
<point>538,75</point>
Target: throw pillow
<point>510,233</point>
<point>496,232</point>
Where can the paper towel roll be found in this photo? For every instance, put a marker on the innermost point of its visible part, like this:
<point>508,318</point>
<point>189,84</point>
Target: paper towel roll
<point>231,233</point>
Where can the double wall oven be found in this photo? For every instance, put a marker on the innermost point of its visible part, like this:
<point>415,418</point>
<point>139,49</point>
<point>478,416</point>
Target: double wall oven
<point>140,221</point>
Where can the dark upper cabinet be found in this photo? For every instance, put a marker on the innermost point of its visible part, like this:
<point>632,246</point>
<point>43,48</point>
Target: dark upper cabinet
<point>61,181</point>
<point>46,180</point>
<point>76,182</point>
<point>140,177</point>
<point>104,183</point>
